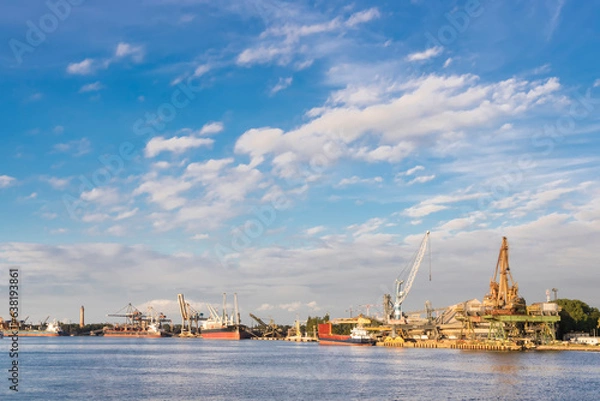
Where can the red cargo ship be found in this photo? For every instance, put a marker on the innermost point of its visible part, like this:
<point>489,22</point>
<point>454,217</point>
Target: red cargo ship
<point>224,327</point>
<point>358,336</point>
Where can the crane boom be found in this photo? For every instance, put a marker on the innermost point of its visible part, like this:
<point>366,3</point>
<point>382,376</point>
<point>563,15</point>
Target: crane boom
<point>182,307</point>
<point>402,293</point>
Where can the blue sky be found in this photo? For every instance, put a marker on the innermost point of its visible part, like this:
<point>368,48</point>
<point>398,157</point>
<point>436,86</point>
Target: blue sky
<point>295,152</point>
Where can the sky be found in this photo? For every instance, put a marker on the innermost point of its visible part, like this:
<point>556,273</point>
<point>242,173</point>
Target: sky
<point>295,152</point>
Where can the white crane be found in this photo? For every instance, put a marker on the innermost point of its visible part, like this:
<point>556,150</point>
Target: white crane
<point>402,293</point>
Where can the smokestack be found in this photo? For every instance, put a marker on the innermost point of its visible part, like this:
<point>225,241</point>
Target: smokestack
<point>81,316</point>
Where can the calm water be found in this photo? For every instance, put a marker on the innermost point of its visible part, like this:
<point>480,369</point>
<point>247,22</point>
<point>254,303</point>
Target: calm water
<point>88,368</point>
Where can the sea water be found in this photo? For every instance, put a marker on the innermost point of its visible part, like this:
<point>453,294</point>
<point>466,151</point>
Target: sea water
<point>97,368</point>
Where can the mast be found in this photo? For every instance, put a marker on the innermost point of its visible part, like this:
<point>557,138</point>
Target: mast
<point>225,308</point>
<point>237,309</point>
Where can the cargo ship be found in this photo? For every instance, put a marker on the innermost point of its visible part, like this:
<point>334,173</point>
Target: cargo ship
<point>137,324</point>
<point>358,336</point>
<point>224,327</point>
<point>52,330</point>
<point>131,330</point>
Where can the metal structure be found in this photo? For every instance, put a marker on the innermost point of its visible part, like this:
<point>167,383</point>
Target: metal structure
<point>268,330</point>
<point>402,293</point>
<point>505,314</point>
<point>504,291</point>
<point>189,316</point>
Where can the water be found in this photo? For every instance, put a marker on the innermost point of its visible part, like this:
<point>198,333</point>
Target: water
<point>96,368</point>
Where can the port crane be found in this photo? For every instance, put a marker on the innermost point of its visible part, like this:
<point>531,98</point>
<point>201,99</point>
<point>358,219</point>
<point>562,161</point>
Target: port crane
<point>504,291</point>
<point>131,314</point>
<point>268,330</point>
<point>188,316</point>
<point>402,293</point>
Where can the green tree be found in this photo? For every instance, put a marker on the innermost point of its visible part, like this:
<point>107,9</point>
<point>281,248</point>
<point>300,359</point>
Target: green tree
<point>576,315</point>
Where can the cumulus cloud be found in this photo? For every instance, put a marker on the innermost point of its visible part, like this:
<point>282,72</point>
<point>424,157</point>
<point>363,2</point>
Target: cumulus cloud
<point>84,67</point>
<point>175,144</point>
<point>426,54</point>
<point>6,181</point>
<point>93,87</point>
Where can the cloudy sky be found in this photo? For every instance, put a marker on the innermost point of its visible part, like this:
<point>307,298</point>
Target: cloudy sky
<point>295,152</point>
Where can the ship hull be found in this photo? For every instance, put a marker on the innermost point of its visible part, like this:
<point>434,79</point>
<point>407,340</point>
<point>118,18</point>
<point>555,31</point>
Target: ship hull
<point>225,333</point>
<point>327,338</point>
<point>134,333</point>
<point>33,333</point>
<point>343,340</point>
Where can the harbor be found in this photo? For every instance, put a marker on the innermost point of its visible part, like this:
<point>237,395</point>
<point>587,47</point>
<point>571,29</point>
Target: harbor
<point>501,322</point>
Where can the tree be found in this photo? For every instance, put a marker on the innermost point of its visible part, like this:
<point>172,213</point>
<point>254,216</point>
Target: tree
<point>576,315</point>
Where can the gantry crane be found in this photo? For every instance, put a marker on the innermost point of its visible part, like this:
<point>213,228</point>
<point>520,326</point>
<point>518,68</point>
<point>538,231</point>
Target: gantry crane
<point>402,293</point>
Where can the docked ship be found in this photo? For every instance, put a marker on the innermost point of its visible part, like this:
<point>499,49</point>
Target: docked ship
<point>358,336</point>
<point>131,330</point>
<point>52,329</point>
<point>223,326</point>
<point>137,324</point>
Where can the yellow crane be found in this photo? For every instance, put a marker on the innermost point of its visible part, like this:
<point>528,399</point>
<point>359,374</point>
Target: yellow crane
<point>504,291</point>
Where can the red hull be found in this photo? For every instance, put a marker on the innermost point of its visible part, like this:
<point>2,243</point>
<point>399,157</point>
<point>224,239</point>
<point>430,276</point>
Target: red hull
<point>227,333</point>
<point>323,341</point>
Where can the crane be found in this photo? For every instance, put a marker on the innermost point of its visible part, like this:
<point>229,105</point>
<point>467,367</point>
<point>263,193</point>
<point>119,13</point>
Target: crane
<point>189,315</point>
<point>504,291</point>
<point>270,329</point>
<point>402,293</point>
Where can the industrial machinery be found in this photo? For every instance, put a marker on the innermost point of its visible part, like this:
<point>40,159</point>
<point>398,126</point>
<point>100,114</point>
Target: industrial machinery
<point>267,330</point>
<point>504,291</point>
<point>188,316</point>
<point>505,313</point>
<point>394,310</point>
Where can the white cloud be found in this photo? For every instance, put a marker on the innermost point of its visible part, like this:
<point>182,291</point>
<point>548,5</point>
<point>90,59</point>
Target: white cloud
<point>126,214</point>
<point>413,170</point>
<point>368,227</point>
<point>357,180</point>
<point>59,231</point>
<point>423,210</point>
<point>212,128</point>
<point>281,85</point>
<point>57,183</point>
<point>116,230</point>
<point>176,144</point>
<point>84,67</point>
<point>199,237</point>
<point>265,307</point>
<point>447,62</point>
<point>185,18</point>
<point>422,179</point>
<point>102,195</point>
<point>33,195</point>
<point>596,83</point>
<point>363,16</point>
<point>315,230</point>
<point>93,87</point>
<point>425,55</point>
<point>59,129</point>
<point>6,181</point>
<point>391,129</point>
<point>166,192</point>
<point>76,148</point>
<point>127,50</point>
